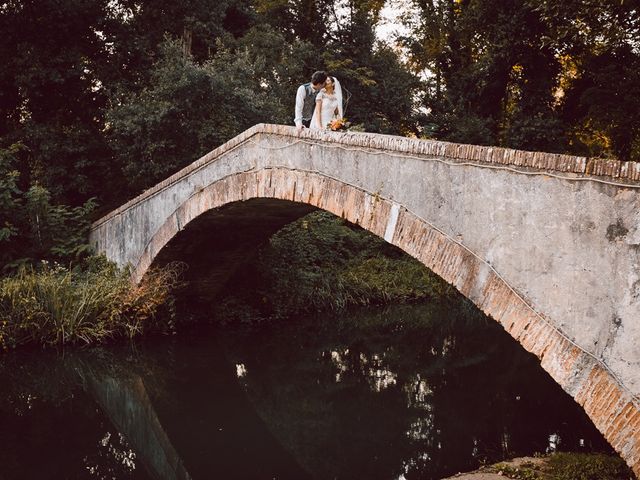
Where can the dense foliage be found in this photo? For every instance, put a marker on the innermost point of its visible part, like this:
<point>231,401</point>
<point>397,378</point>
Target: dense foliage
<point>531,74</point>
<point>321,262</point>
<point>32,227</point>
<point>100,99</point>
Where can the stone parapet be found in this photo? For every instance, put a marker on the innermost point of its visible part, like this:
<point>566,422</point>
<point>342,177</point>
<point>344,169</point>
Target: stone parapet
<point>544,162</point>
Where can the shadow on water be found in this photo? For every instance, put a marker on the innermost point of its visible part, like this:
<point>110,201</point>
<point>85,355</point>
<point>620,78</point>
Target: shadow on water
<point>406,392</point>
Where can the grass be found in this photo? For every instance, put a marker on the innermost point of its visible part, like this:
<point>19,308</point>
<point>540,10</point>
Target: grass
<point>582,466</point>
<point>568,466</point>
<point>55,305</point>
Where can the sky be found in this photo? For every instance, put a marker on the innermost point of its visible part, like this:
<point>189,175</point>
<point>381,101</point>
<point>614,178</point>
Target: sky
<point>389,23</point>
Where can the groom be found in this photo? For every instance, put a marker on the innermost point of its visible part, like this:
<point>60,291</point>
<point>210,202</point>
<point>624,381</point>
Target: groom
<point>306,99</point>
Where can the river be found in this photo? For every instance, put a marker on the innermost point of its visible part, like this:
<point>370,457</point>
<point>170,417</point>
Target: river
<point>404,392</point>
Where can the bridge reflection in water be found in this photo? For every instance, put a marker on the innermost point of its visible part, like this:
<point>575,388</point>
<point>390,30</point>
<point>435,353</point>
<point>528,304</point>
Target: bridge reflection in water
<point>414,391</point>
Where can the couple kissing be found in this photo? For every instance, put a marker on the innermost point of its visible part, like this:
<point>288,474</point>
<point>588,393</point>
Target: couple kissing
<point>319,102</point>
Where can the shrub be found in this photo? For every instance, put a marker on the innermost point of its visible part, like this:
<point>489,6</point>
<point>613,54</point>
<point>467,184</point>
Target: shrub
<point>382,279</point>
<point>582,466</point>
<point>321,262</point>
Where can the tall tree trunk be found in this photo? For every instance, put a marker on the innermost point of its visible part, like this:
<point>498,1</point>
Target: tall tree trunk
<point>187,39</point>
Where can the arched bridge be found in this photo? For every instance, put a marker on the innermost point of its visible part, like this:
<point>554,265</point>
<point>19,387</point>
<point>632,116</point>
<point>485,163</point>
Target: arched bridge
<point>548,245</point>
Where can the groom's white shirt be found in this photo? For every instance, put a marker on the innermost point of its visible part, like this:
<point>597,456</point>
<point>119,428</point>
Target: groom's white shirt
<point>299,105</point>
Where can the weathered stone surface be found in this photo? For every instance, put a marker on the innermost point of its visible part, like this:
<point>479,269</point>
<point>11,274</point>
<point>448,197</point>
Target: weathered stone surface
<point>548,245</point>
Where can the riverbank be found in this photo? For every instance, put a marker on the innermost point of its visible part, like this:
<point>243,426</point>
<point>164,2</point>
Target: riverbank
<point>559,466</point>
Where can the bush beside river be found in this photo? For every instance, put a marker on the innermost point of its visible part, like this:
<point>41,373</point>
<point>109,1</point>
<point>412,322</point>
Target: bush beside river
<point>557,466</point>
<point>321,262</point>
<point>54,305</point>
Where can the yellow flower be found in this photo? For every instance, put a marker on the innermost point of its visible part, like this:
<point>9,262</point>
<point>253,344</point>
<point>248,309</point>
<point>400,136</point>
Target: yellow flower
<point>338,124</point>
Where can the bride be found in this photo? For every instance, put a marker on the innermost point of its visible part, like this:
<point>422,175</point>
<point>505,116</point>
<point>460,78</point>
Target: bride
<point>328,104</point>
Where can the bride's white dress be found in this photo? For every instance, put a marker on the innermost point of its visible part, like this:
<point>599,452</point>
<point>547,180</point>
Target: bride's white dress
<point>330,105</point>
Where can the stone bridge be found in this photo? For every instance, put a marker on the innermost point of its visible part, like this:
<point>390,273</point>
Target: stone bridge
<point>547,245</point>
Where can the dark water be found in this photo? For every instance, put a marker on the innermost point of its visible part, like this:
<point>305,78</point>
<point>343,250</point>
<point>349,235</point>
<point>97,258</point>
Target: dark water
<point>412,392</point>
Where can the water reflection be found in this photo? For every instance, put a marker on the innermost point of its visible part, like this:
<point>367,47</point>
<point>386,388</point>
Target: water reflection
<point>124,399</point>
<point>411,392</point>
<point>51,427</point>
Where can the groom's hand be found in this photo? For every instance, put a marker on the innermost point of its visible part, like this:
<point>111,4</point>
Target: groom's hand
<point>300,128</point>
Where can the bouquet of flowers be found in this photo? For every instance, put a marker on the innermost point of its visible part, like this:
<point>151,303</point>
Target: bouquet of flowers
<point>338,124</point>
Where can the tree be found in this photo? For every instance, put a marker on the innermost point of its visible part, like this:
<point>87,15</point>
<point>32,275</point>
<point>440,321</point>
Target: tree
<point>304,20</point>
<point>198,24</point>
<point>492,78</point>
<point>186,110</point>
<point>598,42</point>
<point>530,74</point>
<point>279,66</point>
<point>33,228</point>
<point>51,93</point>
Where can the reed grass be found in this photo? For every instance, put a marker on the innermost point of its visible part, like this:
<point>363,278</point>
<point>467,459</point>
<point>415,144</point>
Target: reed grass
<point>55,305</point>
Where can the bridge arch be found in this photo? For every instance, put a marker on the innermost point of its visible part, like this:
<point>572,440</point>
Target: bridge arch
<point>611,405</point>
